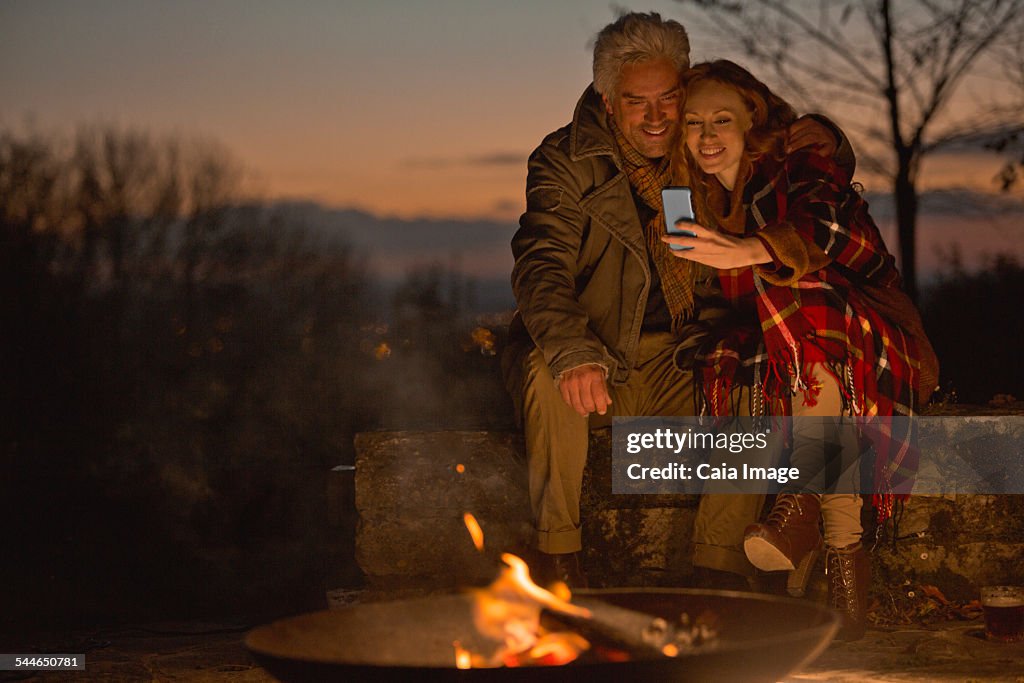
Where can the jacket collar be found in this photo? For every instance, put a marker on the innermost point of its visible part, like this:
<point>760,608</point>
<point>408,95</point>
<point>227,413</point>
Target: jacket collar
<point>590,134</point>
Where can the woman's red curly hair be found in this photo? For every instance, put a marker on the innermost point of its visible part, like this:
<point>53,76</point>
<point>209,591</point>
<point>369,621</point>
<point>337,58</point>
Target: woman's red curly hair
<point>770,115</point>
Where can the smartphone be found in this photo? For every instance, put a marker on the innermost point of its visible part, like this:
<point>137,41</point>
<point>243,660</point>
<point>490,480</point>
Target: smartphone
<point>678,206</point>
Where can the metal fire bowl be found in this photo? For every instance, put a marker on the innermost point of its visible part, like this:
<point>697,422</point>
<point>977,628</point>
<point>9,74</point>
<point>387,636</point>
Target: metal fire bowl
<point>761,638</point>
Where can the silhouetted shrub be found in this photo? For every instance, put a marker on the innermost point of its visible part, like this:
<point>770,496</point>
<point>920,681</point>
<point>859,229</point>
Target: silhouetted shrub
<point>975,323</point>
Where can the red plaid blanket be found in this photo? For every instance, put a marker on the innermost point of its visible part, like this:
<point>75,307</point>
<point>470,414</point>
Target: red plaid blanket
<point>823,318</point>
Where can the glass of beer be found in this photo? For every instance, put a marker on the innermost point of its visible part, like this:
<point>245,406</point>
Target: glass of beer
<point>1004,613</point>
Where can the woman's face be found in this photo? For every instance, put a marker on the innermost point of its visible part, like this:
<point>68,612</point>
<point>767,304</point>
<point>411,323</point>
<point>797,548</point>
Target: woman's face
<point>715,121</point>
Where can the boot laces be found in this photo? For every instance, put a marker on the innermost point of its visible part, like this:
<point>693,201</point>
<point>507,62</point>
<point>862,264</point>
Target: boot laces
<point>840,574</point>
<point>785,506</point>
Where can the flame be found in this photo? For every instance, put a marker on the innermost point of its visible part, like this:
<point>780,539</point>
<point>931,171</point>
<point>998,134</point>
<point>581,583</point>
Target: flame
<point>520,574</point>
<point>461,469</point>
<point>382,351</point>
<point>558,648</point>
<point>508,613</point>
<point>474,530</point>
<point>560,590</point>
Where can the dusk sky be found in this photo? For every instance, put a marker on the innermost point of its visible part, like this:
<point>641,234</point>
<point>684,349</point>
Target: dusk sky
<point>405,109</point>
<point>427,107</point>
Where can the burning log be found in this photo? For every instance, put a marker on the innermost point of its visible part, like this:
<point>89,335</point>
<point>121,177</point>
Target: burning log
<point>508,614</point>
<point>641,635</point>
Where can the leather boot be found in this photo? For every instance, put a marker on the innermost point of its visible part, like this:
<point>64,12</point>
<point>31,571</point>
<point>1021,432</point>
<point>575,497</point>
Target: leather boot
<point>705,577</point>
<point>789,540</point>
<point>849,575</point>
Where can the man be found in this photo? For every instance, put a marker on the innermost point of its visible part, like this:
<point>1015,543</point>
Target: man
<point>603,310</point>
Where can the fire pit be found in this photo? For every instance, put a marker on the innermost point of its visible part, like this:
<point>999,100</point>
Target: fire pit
<point>759,638</point>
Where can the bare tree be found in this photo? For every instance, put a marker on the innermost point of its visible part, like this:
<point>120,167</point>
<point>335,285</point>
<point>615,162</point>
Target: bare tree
<point>905,79</point>
<point>131,190</point>
<point>32,203</point>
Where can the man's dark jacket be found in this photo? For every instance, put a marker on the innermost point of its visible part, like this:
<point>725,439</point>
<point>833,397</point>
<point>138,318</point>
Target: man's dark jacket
<point>581,275</point>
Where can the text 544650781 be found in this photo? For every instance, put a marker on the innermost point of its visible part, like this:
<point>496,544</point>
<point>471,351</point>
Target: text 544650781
<point>37,662</point>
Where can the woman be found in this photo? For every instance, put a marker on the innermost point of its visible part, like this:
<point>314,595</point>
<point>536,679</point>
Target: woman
<point>794,245</point>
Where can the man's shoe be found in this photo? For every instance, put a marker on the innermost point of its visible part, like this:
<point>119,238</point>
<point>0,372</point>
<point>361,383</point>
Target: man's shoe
<point>564,567</point>
<point>705,577</point>
<point>849,575</point>
<point>789,540</point>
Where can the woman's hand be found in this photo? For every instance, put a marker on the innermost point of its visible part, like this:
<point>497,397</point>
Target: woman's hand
<point>807,132</point>
<point>717,249</point>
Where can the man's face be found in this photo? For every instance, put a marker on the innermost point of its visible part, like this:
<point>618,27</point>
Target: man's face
<point>646,107</point>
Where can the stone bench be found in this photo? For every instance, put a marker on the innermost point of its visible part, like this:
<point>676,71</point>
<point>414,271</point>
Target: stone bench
<point>412,489</point>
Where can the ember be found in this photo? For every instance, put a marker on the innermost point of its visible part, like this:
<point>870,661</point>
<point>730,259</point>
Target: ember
<point>463,660</point>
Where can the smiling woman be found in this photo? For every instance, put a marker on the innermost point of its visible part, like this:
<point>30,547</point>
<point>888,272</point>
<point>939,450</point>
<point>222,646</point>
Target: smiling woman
<point>831,334</point>
<point>717,121</point>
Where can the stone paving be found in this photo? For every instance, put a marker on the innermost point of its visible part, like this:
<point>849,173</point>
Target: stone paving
<point>949,651</point>
<point>191,651</point>
<point>207,652</point>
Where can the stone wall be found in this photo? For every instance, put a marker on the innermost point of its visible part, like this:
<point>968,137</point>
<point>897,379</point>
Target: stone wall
<point>411,494</point>
<point>956,543</point>
<point>412,489</point>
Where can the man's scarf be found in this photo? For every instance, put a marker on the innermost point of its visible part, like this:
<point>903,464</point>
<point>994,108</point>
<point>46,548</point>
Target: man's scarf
<point>648,177</point>
<point>825,317</point>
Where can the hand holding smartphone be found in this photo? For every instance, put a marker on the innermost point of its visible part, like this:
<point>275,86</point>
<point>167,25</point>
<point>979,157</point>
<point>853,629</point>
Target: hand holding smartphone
<point>678,205</point>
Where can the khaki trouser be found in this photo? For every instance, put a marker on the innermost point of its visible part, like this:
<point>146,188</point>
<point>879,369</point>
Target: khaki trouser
<point>556,446</point>
<point>812,440</point>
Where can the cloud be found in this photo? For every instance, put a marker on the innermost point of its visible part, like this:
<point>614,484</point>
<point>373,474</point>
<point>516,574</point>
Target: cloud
<point>500,159</point>
<point>974,224</point>
<point>482,245</point>
<point>503,206</point>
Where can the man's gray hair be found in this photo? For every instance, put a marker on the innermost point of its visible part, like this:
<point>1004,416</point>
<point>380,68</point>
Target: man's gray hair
<point>637,37</point>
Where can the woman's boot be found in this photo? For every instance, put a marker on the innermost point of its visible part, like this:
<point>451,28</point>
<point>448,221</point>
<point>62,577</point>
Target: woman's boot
<point>849,575</point>
<point>788,540</point>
